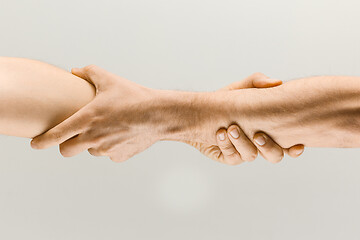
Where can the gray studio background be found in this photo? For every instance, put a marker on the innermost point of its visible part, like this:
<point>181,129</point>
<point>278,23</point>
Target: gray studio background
<point>171,191</point>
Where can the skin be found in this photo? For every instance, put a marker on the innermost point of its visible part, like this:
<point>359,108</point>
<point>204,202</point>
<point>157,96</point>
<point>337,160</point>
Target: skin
<point>317,111</point>
<point>237,149</point>
<point>35,96</point>
<point>30,89</point>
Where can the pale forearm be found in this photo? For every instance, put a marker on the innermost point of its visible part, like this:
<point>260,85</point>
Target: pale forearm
<point>316,111</point>
<point>35,96</point>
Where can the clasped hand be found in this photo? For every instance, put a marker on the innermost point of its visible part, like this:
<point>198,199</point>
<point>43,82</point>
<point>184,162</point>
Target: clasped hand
<point>119,123</point>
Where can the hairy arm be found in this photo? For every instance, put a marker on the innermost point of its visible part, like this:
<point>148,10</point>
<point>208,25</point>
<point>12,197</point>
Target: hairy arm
<point>315,111</point>
<point>36,96</point>
<point>321,111</point>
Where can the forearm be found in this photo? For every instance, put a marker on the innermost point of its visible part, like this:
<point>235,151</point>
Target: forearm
<point>35,96</point>
<point>315,111</point>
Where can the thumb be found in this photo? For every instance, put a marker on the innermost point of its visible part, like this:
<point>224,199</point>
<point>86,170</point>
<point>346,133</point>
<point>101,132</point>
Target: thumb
<point>256,80</point>
<point>95,75</point>
<point>266,82</point>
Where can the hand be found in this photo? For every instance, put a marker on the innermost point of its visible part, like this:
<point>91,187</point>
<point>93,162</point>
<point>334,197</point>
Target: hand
<point>113,124</point>
<point>234,151</point>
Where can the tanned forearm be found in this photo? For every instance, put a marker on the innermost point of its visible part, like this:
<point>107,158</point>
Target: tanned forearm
<point>315,111</point>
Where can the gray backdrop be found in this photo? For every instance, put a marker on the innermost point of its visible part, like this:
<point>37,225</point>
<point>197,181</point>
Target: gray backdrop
<point>171,191</point>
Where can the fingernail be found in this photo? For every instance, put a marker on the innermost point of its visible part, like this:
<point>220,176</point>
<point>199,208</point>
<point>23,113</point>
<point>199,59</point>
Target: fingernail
<point>260,140</point>
<point>298,151</point>
<point>234,133</point>
<point>221,136</point>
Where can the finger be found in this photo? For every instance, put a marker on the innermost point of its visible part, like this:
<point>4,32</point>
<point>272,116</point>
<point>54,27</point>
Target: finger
<point>295,151</point>
<point>94,152</point>
<point>127,150</point>
<point>270,150</point>
<point>266,83</point>
<point>231,155</point>
<point>119,158</point>
<point>74,146</point>
<point>256,80</point>
<point>211,151</point>
<point>68,128</point>
<point>242,143</point>
<point>95,75</point>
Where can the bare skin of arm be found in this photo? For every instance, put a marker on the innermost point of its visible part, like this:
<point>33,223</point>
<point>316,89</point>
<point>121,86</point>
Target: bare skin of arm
<point>36,96</point>
<point>320,111</point>
<point>317,112</point>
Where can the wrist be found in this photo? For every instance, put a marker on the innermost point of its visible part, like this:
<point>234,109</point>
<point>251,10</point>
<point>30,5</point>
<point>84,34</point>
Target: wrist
<point>177,114</point>
<point>194,116</point>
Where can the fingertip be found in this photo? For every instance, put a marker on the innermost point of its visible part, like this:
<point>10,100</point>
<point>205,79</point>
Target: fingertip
<point>274,161</point>
<point>78,72</point>
<point>296,151</point>
<point>233,162</point>
<point>37,143</point>
<point>33,144</point>
<point>275,82</point>
<point>267,82</point>
<point>73,70</point>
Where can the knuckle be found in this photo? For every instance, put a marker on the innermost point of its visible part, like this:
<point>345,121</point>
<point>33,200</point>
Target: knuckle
<point>56,135</point>
<point>219,156</point>
<point>227,148</point>
<point>105,150</point>
<point>232,154</point>
<point>97,139</point>
<point>91,114</point>
<point>92,125</point>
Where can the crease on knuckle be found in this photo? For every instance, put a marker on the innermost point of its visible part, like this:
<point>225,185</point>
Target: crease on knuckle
<point>232,154</point>
<point>97,139</point>
<point>56,135</point>
<point>228,148</point>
